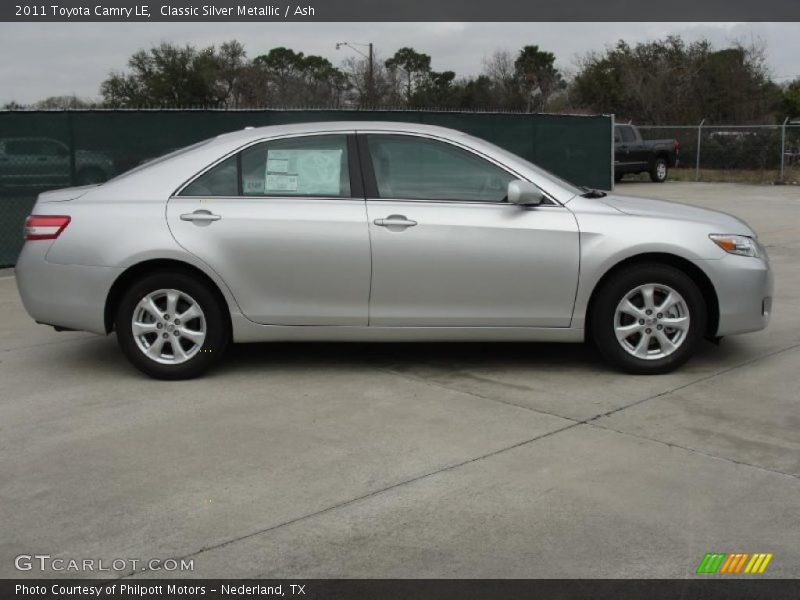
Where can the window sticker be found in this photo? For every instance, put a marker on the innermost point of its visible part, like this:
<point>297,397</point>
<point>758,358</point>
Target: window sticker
<point>304,172</point>
<point>282,183</point>
<point>277,165</point>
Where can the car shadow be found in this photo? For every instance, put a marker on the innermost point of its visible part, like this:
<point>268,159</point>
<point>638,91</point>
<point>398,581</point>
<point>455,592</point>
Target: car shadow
<point>301,356</point>
<point>103,355</point>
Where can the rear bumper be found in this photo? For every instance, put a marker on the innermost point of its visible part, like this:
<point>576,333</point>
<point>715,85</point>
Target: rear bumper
<point>68,296</point>
<point>744,289</point>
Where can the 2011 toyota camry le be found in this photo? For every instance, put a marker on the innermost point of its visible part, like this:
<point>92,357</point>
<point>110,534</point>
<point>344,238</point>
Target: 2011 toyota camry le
<point>378,231</point>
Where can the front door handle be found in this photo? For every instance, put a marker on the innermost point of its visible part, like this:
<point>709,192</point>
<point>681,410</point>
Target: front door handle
<point>391,221</point>
<point>202,216</point>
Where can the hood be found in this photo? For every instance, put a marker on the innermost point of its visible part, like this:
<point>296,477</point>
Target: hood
<point>663,209</point>
<point>69,193</point>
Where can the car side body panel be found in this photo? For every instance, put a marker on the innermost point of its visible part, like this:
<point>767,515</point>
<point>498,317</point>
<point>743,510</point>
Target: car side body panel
<point>124,223</point>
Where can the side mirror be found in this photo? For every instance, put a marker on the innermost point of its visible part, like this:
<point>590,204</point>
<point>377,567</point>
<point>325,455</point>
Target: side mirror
<point>524,193</point>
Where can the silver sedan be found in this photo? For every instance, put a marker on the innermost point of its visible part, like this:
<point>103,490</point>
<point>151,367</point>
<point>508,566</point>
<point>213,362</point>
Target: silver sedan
<point>381,232</point>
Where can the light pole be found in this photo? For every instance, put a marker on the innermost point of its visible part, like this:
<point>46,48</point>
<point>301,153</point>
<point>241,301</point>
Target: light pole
<point>370,67</point>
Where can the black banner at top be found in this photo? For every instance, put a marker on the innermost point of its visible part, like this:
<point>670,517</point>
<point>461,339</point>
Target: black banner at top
<point>398,10</point>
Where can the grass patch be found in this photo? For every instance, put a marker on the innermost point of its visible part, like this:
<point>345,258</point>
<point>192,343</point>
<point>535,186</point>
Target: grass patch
<point>766,176</point>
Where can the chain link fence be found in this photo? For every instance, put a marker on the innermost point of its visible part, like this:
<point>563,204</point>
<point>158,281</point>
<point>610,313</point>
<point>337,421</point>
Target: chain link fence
<point>733,153</point>
<point>42,150</point>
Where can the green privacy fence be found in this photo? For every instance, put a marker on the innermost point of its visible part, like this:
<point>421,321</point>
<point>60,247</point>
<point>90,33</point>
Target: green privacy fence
<point>41,150</point>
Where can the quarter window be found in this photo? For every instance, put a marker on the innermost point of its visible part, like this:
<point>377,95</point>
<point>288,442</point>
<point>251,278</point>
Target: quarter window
<point>220,180</point>
<point>415,168</point>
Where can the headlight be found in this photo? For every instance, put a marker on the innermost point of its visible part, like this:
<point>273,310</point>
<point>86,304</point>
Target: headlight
<point>736,244</point>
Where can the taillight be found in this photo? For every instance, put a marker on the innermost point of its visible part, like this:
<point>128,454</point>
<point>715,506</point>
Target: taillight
<point>45,227</point>
<point>675,144</point>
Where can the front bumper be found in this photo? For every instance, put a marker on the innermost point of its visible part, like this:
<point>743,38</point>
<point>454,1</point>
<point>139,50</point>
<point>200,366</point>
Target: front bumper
<point>68,296</point>
<point>744,287</point>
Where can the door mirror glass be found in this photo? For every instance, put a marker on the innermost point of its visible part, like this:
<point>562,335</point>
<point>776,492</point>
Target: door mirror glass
<point>524,193</point>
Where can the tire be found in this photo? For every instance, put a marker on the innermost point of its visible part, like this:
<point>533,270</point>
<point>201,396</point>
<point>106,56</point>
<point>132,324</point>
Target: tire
<point>202,336</point>
<point>643,348</point>
<point>660,170</point>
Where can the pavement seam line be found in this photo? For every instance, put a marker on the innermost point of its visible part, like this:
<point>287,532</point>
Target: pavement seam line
<point>366,496</point>
<point>696,381</point>
<point>442,386</point>
<point>599,415</point>
<point>693,450</point>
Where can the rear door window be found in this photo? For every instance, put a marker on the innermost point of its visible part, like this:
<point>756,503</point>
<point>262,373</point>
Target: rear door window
<point>302,166</point>
<point>309,166</point>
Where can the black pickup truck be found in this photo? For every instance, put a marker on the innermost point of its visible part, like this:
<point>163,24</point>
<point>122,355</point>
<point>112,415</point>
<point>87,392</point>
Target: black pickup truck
<point>632,154</point>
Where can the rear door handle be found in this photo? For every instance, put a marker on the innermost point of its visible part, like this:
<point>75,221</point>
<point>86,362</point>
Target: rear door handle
<point>203,216</point>
<point>395,221</point>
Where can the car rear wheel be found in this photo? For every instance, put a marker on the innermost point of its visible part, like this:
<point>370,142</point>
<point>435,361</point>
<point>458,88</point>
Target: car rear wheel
<point>648,319</point>
<point>171,326</point>
<point>660,170</point>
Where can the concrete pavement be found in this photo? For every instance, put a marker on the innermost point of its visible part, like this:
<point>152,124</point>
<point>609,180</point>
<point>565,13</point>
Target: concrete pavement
<point>449,460</point>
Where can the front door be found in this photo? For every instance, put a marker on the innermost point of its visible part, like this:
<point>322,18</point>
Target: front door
<point>449,251</point>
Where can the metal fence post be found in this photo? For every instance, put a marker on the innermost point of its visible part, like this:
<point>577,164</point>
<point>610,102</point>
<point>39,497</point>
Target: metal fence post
<point>783,145</point>
<point>697,158</point>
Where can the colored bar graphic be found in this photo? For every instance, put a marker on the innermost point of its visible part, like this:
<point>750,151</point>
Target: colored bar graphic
<point>711,562</point>
<point>727,564</point>
<point>741,562</point>
<point>721,562</point>
<point>758,563</point>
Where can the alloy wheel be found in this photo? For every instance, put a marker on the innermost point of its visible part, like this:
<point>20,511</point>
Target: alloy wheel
<point>169,326</point>
<point>652,321</point>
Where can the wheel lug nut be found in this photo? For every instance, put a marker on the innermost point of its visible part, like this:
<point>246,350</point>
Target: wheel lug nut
<point>178,321</point>
<point>166,335</point>
<point>641,321</point>
<point>648,330</point>
<point>166,317</point>
<point>660,327</point>
<point>648,311</point>
<point>659,315</point>
<point>159,325</point>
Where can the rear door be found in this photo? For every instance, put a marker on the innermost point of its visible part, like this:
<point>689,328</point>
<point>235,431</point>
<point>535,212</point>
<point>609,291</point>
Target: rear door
<point>283,222</point>
<point>449,251</point>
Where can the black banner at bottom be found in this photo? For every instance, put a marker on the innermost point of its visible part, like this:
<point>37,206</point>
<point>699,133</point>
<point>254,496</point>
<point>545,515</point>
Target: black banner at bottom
<point>407,589</point>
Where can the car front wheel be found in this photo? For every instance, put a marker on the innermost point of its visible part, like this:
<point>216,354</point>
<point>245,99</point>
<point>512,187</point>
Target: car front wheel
<point>171,326</point>
<point>648,319</point>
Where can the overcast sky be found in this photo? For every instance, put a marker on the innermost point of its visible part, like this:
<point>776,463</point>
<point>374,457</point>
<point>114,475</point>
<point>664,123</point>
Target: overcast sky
<point>48,59</point>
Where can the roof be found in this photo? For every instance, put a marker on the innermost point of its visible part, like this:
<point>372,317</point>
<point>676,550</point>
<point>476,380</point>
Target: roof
<point>328,126</point>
